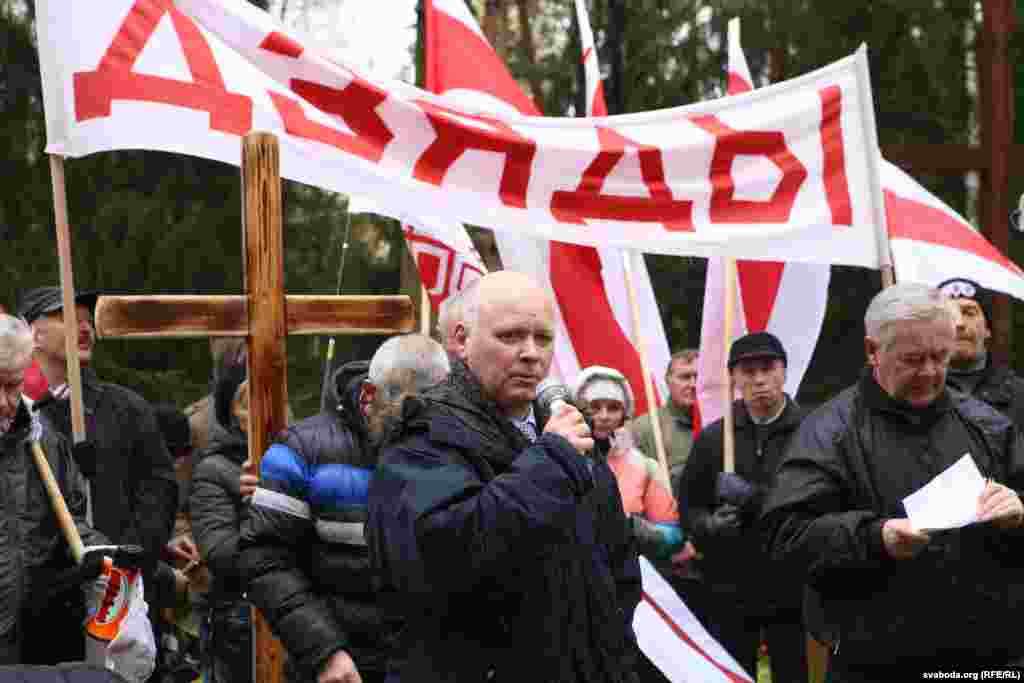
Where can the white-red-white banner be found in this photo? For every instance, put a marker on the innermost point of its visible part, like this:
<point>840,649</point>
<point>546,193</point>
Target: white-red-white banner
<point>780,173</point>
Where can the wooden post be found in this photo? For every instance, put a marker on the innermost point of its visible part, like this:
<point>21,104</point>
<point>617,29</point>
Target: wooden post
<point>728,437</point>
<point>268,363</point>
<point>997,136</point>
<point>652,403</point>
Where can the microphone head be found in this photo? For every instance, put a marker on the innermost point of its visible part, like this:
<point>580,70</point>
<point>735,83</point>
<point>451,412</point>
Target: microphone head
<point>550,392</point>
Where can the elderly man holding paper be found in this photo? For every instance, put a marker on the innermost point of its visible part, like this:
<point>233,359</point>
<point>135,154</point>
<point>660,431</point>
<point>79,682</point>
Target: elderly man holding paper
<point>888,597</point>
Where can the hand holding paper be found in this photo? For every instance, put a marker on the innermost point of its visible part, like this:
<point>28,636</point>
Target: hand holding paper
<point>1000,505</point>
<point>950,500</point>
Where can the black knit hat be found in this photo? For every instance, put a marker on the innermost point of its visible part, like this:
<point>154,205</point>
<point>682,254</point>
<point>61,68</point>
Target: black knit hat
<point>756,345</point>
<point>43,300</point>
<point>962,288</point>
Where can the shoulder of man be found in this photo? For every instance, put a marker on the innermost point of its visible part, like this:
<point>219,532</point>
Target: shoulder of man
<point>835,418</point>
<point>979,412</point>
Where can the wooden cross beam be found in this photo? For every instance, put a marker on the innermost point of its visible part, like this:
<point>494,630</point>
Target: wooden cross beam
<point>264,316</point>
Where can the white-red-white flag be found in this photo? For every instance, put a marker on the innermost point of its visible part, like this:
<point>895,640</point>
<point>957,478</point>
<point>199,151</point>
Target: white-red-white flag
<point>786,299</point>
<point>931,242</point>
<point>675,641</point>
<point>592,309</point>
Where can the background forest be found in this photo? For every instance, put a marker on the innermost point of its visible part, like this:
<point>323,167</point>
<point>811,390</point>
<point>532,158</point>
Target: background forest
<point>148,222</point>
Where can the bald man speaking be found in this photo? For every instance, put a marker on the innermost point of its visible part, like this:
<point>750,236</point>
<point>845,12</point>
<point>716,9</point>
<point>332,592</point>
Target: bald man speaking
<point>503,542</point>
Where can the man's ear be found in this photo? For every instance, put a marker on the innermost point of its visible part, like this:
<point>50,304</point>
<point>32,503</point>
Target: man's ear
<point>871,351</point>
<point>461,337</point>
<point>367,394</point>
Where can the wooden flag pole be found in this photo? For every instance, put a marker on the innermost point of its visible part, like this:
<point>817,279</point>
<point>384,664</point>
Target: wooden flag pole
<point>424,310</point>
<point>729,439</point>
<point>652,403</point>
<point>70,311</point>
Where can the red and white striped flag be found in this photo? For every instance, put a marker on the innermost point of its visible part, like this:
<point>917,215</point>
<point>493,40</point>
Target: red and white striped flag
<point>592,308</point>
<point>786,299</point>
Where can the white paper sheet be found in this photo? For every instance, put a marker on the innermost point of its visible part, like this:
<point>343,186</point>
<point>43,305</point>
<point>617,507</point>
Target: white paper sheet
<point>950,500</point>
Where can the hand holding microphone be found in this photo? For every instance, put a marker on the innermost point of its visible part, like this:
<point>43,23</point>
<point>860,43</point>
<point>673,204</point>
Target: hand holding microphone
<point>565,419</point>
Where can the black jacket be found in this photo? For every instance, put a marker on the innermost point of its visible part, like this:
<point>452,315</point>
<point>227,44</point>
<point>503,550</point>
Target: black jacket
<point>29,535</point>
<point>303,549</point>
<point>216,511</point>
<point>999,387</point>
<point>504,557</point>
<point>738,568</point>
<point>848,470</point>
<point>134,491</point>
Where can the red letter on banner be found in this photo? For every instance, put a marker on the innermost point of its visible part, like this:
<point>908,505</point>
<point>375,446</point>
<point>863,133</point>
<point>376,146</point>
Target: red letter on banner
<point>837,188</point>
<point>587,201</point>
<point>454,138</point>
<point>730,144</point>
<point>115,80</point>
<point>355,104</point>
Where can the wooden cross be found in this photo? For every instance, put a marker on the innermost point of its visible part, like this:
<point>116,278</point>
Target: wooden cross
<point>264,316</point>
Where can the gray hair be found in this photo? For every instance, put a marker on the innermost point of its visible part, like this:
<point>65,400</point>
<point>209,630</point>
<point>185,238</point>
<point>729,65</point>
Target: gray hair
<point>903,302</point>
<point>408,363</point>
<point>16,342</point>
<point>454,310</point>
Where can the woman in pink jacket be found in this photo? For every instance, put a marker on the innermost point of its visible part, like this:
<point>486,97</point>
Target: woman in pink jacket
<point>605,396</point>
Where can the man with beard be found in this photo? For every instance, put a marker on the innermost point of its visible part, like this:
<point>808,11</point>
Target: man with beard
<point>503,543</point>
<point>893,600</point>
<point>971,369</point>
<point>303,550</point>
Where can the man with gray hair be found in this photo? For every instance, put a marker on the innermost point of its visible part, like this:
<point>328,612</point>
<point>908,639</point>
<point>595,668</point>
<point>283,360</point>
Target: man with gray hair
<point>30,539</point>
<point>303,548</point>
<point>889,598</point>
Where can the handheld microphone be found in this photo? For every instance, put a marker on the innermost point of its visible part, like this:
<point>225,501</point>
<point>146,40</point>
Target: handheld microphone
<point>551,396</point>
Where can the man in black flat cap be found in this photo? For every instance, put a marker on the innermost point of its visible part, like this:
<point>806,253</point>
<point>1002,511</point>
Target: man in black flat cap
<point>133,489</point>
<point>971,369</point>
<point>746,591</point>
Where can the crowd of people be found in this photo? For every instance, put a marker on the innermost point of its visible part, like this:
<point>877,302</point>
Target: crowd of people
<point>436,522</point>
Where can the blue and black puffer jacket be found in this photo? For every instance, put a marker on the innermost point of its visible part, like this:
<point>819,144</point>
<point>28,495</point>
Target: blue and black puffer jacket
<point>303,549</point>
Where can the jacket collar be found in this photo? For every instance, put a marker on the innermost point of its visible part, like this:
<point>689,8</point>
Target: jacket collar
<point>790,416</point>
<point>684,415</point>
<point>877,399</point>
<point>21,425</point>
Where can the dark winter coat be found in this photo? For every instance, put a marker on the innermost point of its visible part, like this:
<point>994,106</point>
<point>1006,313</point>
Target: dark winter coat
<point>216,510</point>
<point>509,560</point>
<point>134,491</point>
<point>848,470</point>
<point>303,549</point>
<point>738,569</point>
<point>29,535</point>
<point>999,387</point>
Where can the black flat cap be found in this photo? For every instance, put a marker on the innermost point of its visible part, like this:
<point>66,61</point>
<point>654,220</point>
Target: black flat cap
<point>42,300</point>
<point>756,345</point>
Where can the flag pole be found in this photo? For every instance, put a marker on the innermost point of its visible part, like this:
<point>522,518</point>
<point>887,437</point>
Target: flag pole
<point>729,439</point>
<point>652,404</point>
<point>67,287</point>
<point>424,310</point>
<point>867,109</point>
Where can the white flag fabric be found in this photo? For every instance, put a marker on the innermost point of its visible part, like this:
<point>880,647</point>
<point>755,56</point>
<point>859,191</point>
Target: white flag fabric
<point>787,299</point>
<point>783,172</point>
<point>675,641</point>
<point>931,242</point>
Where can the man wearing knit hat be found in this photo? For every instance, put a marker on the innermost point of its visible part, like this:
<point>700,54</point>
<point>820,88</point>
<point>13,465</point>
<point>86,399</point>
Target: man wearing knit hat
<point>746,590</point>
<point>971,369</point>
